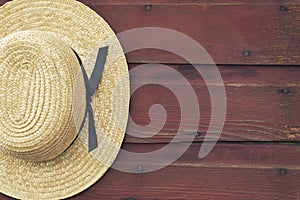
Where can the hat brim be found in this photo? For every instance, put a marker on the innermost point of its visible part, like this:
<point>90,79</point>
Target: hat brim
<point>76,169</point>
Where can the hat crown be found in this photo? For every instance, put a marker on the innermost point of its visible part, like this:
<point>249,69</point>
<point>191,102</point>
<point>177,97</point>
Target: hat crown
<point>39,112</point>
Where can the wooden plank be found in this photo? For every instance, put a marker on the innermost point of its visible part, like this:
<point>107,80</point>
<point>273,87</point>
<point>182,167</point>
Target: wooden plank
<point>186,2</point>
<point>232,32</point>
<point>262,104</point>
<point>268,32</point>
<point>192,2</point>
<point>197,183</point>
<point>233,75</point>
<point>230,171</point>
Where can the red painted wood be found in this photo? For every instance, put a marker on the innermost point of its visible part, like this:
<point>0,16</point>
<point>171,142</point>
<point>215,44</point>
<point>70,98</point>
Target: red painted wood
<point>199,183</point>
<point>269,34</point>
<point>263,101</point>
<point>230,171</point>
<point>187,2</point>
<point>192,2</point>
<point>262,104</point>
<point>224,28</point>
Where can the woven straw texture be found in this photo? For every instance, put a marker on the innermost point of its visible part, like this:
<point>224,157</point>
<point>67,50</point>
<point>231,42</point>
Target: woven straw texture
<point>42,98</point>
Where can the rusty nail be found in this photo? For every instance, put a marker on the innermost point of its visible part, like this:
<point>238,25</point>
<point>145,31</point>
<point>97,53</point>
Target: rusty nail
<point>246,53</point>
<point>140,168</point>
<point>282,171</point>
<point>283,8</point>
<point>148,7</point>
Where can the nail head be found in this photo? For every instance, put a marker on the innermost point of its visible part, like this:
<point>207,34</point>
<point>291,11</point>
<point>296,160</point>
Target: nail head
<point>282,171</point>
<point>140,168</point>
<point>285,91</point>
<point>246,53</point>
<point>148,7</point>
<point>197,134</point>
<point>283,8</point>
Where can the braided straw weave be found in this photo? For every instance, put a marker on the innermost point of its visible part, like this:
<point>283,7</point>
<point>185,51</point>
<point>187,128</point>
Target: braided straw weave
<point>42,98</point>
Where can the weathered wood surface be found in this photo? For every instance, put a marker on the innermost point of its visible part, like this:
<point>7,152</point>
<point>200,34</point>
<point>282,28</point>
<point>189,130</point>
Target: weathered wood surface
<point>230,171</point>
<point>267,30</point>
<point>262,103</point>
<point>257,157</point>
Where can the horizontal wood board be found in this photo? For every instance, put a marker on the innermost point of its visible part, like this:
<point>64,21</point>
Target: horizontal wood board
<point>232,32</point>
<point>255,45</point>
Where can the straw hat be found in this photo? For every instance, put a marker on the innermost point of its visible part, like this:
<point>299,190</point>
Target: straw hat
<point>64,98</point>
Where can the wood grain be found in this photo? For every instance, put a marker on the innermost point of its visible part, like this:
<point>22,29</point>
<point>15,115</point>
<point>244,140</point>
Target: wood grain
<point>235,171</point>
<point>256,46</point>
<point>267,30</point>
<point>230,171</point>
<point>191,2</point>
<point>262,104</point>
